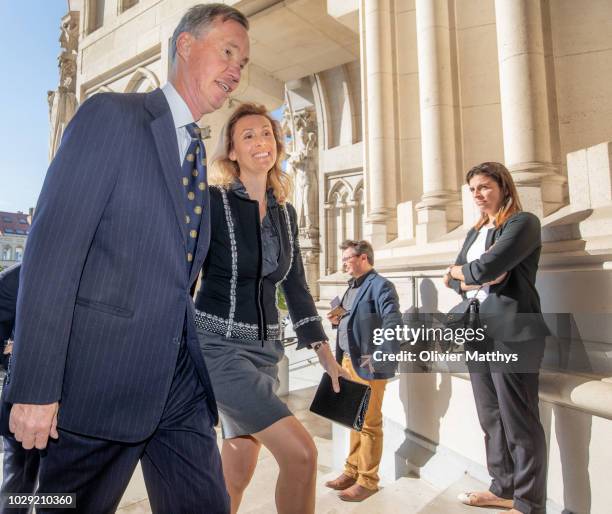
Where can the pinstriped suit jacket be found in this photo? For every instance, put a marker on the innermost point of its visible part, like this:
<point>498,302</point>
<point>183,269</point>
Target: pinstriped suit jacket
<point>104,294</point>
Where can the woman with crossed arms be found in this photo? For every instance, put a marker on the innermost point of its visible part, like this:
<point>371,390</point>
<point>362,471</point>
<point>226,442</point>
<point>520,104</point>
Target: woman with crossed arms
<point>498,265</point>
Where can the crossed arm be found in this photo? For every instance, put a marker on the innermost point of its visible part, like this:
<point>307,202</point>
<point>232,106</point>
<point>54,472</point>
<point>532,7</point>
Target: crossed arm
<point>519,238</point>
<point>455,273</point>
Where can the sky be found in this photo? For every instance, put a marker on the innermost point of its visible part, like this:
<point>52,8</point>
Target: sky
<point>29,47</point>
<point>29,33</point>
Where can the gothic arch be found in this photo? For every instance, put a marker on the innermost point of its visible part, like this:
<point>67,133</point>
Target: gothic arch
<point>322,110</point>
<point>358,210</point>
<point>104,89</point>
<point>142,81</point>
<point>340,185</point>
<point>343,221</point>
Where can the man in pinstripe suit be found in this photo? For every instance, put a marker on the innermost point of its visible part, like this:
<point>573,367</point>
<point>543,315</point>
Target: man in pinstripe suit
<point>106,360</point>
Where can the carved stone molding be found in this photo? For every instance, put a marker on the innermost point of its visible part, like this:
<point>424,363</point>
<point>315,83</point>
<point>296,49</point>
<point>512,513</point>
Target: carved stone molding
<point>63,102</point>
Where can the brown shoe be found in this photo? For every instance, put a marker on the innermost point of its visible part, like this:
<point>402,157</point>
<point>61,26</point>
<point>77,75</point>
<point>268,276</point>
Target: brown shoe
<point>356,493</point>
<point>341,483</point>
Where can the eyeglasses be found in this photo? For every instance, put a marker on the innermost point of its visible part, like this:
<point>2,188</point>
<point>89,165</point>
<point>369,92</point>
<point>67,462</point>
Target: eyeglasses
<point>346,259</point>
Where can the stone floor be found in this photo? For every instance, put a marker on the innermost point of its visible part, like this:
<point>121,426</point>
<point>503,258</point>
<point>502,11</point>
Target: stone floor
<point>408,495</point>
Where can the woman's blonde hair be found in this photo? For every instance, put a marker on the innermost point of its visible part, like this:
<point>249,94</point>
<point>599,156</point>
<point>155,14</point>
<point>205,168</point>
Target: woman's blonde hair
<point>224,171</point>
<point>510,199</point>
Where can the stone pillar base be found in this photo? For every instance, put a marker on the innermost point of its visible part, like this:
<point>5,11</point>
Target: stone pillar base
<point>380,228</point>
<point>405,227</point>
<point>541,189</point>
<point>590,176</point>
<point>437,215</point>
<point>310,259</point>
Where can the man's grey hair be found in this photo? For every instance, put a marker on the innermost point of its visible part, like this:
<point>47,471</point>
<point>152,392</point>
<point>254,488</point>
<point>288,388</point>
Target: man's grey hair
<point>199,19</point>
<point>359,247</point>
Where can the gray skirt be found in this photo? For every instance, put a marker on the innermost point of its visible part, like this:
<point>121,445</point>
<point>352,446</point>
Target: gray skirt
<point>244,376</point>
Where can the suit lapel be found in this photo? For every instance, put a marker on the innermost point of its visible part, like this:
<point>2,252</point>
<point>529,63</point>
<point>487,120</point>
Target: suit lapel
<point>469,240</point>
<point>164,134</point>
<point>490,237</point>
<point>362,290</point>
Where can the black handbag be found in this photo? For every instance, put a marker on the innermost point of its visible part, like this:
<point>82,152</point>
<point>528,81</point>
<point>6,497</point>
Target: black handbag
<point>348,407</point>
<point>463,315</point>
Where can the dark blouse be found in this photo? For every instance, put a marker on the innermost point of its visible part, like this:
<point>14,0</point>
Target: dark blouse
<point>269,236</point>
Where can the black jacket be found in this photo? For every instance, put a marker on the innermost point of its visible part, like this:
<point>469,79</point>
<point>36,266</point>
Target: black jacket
<point>512,308</point>
<point>234,299</point>
<point>9,285</point>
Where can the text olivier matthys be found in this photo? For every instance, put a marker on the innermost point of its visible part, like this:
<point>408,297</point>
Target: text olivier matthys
<point>422,334</point>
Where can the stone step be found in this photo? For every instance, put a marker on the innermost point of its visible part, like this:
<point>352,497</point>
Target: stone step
<point>407,494</point>
<point>135,500</point>
<point>259,495</point>
<point>446,501</point>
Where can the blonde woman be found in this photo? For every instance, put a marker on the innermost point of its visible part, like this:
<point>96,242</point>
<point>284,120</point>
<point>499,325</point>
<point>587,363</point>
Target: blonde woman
<point>498,265</point>
<point>254,250</point>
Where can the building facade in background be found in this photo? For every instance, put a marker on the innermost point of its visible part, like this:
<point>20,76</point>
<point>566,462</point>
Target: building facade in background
<point>387,103</point>
<point>14,229</point>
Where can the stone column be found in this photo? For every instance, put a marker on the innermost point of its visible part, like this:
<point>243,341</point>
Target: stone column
<point>440,208</point>
<point>379,108</point>
<point>62,102</point>
<point>330,228</point>
<point>525,95</point>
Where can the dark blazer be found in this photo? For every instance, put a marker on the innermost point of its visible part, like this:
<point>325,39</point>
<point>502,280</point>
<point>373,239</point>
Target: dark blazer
<point>104,295</point>
<point>235,300</point>
<point>9,286</point>
<point>375,306</point>
<point>512,308</point>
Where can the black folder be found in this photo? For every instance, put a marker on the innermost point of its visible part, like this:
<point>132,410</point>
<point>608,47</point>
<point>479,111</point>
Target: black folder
<point>348,407</point>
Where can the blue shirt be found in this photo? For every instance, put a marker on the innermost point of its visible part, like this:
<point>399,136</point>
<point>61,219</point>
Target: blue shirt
<point>181,115</point>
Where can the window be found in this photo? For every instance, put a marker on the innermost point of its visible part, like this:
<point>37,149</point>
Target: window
<point>95,15</point>
<point>18,253</point>
<point>9,231</point>
<point>6,253</point>
<point>7,219</point>
<point>23,221</point>
<point>126,4</point>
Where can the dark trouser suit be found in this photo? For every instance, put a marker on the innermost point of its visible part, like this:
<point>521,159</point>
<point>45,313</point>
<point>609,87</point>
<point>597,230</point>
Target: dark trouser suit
<point>507,406</point>
<point>180,461</point>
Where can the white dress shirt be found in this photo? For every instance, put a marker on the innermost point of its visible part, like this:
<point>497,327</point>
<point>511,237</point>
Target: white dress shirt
<point>474,252</point>
<point>182,116</point>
